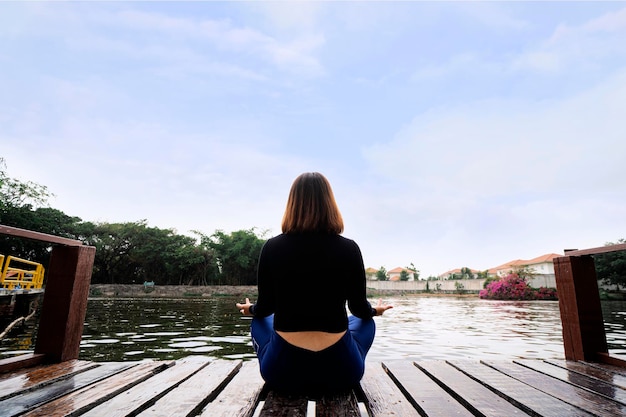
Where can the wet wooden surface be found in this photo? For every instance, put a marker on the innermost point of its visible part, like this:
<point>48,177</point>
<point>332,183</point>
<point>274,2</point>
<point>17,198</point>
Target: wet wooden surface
<point>199,386</point>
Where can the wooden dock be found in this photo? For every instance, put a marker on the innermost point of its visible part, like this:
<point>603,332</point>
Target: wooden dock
<point>198,386</point>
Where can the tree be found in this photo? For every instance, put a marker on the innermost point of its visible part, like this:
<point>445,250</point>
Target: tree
<point>611,266</point>
<point>404,275</point>
<point>132,252</point>
<point>482,274</point>
<point>42,219</point>
<point>16,193</point>
<point>381,274</point>
<point>416,272</point>
<point>524,272</point>
<point>466,273</point>
<point>237,255</point>
<point>22,205</point>
<point>113,263</point>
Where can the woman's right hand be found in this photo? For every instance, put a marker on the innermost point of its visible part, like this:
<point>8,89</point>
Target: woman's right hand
<point>245,307</point>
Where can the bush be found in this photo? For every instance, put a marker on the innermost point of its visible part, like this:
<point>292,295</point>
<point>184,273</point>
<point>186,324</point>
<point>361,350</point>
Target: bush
<point>543,293</point>
<point>514,287</point>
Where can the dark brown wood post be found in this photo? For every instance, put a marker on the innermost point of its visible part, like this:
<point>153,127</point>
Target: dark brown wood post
<point>581,312</point>
<point>65,302</point>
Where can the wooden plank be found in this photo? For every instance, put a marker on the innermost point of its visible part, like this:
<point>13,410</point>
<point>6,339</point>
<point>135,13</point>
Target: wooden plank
<point>22,361</point>
<point>605,357</point>
<point>192,395</point>
<point>143,395</point>
<point>598,250</point>
<point>65,302</point>
<point>425,395</point>
<point>473,395</point>
<point>592,384</point>
<point>523,396</point>
<point>579,303</point>
<point>240,397</point>
<point>38,377</point>
<point>18,404</point>
<point>608,367</point>
<point>383,397</point>
<point>92,395</point>
<point>282,405</point>
<point>338,405</point>
<point>602,374</point>
<point>578,397</point>
<point>42,237</point>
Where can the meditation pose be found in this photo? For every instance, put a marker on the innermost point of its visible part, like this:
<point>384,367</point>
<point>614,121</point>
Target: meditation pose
<point>301,332</point>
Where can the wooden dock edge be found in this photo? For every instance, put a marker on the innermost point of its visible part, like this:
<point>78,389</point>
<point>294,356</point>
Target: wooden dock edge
<point>23,361</point>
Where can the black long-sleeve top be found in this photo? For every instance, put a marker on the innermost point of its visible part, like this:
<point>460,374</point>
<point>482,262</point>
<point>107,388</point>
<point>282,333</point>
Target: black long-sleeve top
<point>305,279</point>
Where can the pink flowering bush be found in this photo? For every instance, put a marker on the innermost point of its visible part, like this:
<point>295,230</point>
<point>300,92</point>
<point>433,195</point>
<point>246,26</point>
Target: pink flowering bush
<point>543,293</point>
<point>514,287</point>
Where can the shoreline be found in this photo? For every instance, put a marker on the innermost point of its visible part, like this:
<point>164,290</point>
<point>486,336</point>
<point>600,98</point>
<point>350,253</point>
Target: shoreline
<point>250,291</point>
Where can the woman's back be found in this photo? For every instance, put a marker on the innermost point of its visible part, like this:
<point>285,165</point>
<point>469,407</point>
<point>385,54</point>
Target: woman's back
<point>317,269</point>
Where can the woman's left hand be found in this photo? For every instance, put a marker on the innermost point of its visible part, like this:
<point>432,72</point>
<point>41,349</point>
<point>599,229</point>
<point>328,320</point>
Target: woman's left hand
<point>245,307</point>
<point>381,307</point>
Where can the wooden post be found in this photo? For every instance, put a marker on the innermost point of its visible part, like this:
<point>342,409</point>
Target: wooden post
<point>584,337</point>
<point>65,302</point>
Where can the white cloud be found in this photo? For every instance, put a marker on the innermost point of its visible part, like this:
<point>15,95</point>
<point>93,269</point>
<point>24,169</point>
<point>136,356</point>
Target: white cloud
<point>133,111</point>
<point>293,55</point>
<point>293,15</point>
<point>576,48</point>
<point>178,42</point>
<point>488,176</point>
<point>491,146</point>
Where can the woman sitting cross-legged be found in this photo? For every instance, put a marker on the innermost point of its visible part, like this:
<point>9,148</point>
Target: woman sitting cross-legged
<point>301,332</point>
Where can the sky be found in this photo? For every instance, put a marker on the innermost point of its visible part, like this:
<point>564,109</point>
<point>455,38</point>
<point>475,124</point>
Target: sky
<point>454,134</point>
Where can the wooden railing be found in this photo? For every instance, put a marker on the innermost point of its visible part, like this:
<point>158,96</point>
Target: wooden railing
<point>584,337</point>
<point>65,300</point>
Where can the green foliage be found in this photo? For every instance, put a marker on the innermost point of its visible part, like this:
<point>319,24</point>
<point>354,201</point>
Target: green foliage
<point>127,253</point>
<point>611,266</point>
<point>482,274</point>
<point>489,280</point>
<point>404,275</point>
<point>524,272</point>
<point>22,205</point>
<point>236,254</point>
<point>416,272</point>
<point>464,273</point>
<point>17,193</point>
<point>42,219</point>
<point>381,274</point>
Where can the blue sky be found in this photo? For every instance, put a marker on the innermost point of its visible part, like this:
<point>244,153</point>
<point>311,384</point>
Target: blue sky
<point>454,133</point>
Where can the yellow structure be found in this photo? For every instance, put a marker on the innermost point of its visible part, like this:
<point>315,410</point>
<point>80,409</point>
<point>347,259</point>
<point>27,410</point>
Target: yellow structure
<point>18,273</point>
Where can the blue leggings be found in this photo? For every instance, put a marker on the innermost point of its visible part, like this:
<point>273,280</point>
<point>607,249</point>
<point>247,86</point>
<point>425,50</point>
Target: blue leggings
<point>288,368</point>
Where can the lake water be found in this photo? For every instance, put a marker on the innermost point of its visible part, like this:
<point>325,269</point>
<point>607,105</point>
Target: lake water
<point>417,327</point>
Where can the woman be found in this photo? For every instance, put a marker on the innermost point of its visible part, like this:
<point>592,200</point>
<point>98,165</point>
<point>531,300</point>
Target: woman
<point>301,332</point>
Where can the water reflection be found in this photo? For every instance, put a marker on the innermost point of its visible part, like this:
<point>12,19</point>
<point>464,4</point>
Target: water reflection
<point>130,329</point>
<point>614,315</point>
<point>457,328</point>
<point>417,327</point>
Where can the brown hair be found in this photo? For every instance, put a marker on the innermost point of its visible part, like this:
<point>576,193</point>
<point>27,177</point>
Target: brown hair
<point>311,206</point>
